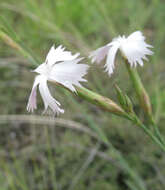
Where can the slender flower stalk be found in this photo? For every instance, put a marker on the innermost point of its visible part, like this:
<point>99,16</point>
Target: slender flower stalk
<point>144,99</point>
<point>142,94</point>
<point>154,138</point>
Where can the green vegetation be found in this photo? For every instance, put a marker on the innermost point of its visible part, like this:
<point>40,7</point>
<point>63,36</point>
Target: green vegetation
<point>38,152</point>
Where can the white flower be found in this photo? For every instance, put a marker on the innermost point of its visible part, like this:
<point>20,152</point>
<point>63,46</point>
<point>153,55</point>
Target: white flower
<point>61,67</point>
<point>133,48</point>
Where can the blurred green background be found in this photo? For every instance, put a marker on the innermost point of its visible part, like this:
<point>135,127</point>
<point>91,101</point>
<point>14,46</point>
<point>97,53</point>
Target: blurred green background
<point>40,152</point>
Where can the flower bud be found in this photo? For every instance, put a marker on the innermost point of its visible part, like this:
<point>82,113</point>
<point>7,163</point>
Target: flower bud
<point>124,100</point>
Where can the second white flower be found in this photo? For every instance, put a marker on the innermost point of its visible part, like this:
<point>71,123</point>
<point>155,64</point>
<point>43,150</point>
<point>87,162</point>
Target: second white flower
<point>133,48</point>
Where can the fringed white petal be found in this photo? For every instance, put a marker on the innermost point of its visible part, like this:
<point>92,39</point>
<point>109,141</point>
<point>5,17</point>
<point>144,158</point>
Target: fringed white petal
<point>59,54</point>
<point>47,98</point>
<point>135,49</point>
<point>32,102</point>
<point>110,62</point>
<point>69,73</point>
<point>99,54</point>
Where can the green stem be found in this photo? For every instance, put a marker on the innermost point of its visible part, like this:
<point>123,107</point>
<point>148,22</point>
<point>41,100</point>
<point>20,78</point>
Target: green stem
<point>156,130</point>
<point>144,99</point>
<point>142,95</point>
<point>155,139</point>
